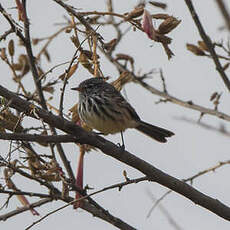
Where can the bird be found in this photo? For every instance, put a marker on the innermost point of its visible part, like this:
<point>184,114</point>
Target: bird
<point>102,107</point>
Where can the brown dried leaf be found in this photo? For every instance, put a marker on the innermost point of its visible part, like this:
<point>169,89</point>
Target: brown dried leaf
<point>17,66</point>
<point>168,25</point>
<point>11,47</point>
<point>125,57</point>
<point>158,4</point>
<point>49,89</point>
<point>75,41</point>
<point>89,54</point>
<point>213,96</point>
<point>75,115</point>
<point>83,59</point>
<point>124,78</point>
<point>10,122</point>
<point>23,60</point>
<point>203,46</point>
<point>68,30</point>
<point>46,53</point>
<point>109,46</point>
<point>3,54</point>
<point>195,49</point>
<point>226,66</point>
<point>35,41</point>
<point>70,73</point>
<point>160,16</point>
<point>135,13</point>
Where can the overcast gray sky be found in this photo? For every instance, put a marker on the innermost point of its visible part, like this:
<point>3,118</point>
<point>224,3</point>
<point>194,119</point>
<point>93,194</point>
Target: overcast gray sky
<point>193,148</point>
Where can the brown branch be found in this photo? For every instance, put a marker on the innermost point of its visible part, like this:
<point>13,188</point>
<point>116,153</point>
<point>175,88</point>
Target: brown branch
<point>119,186</point>
<point>208,43</point>
<point>114,151</point>
<point>189,179</point>
<point>224,12</point>
<point>31,194</point>
<point>3,37</point>
<point>12,23</point>
<point>31,58</point>
<point>211,169</point>
<point>186,104</point>
<point>37,138</point>
<point>166,213</point>
<point>81,18</point>
<point>166,95</point>
<point>15,212</point>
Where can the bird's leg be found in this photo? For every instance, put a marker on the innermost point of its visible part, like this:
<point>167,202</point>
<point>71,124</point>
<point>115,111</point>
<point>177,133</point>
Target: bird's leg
<point>123,143</point>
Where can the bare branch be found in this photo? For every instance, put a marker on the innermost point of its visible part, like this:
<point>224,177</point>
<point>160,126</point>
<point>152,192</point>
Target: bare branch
<point>15,212</point>
<point>37,138</point>
<point>224,11</point>
<point>208,43</point>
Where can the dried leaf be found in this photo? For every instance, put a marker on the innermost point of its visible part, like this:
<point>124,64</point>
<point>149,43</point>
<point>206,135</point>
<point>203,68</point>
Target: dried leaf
<point>49,89</point>
<point>203,46</point>
<point>158,4</point>
<point>226,66</point>
<point>160,16</point>
<point>168,25</point>
<point>135,13</point>
<point>110,45</point>
<point>35,41</point>
<point>124,78</point>
<point>70,73</point>
<point>68,30</point>
<point>89,54</point>
<point>195,49</point>
<point>124,57</point>
<point>23,60</point>
<point>83,59</point>
<point>213,96</point>
<point>3,54</point>
<point>75,41</point>
<point>46,53</point>
<point>11,47</point>
<point>10,122</point>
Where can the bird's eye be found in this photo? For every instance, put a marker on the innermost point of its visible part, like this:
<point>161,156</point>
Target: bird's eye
<point>90,86</point>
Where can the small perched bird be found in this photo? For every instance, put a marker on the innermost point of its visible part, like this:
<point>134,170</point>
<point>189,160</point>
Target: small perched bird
<point>103,108</point>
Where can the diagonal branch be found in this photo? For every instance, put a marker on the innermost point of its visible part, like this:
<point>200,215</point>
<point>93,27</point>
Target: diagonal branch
<point>208,43</point>
<point>224,12</point>
<point>114,151</point>
<point>81,18</point>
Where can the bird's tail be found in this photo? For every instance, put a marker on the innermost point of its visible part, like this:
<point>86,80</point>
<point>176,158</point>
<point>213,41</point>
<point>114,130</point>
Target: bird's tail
<point>157,133</point>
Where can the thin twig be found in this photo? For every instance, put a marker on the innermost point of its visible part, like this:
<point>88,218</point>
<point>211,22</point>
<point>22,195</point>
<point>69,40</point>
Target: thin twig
<point>189,179</point>
<point>119,185</point>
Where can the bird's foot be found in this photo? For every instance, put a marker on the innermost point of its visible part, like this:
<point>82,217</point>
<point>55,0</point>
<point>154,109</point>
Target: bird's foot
<point>122,147</point>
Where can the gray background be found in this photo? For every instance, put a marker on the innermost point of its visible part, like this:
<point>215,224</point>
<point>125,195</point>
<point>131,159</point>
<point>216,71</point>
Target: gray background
<point>191,150</point>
